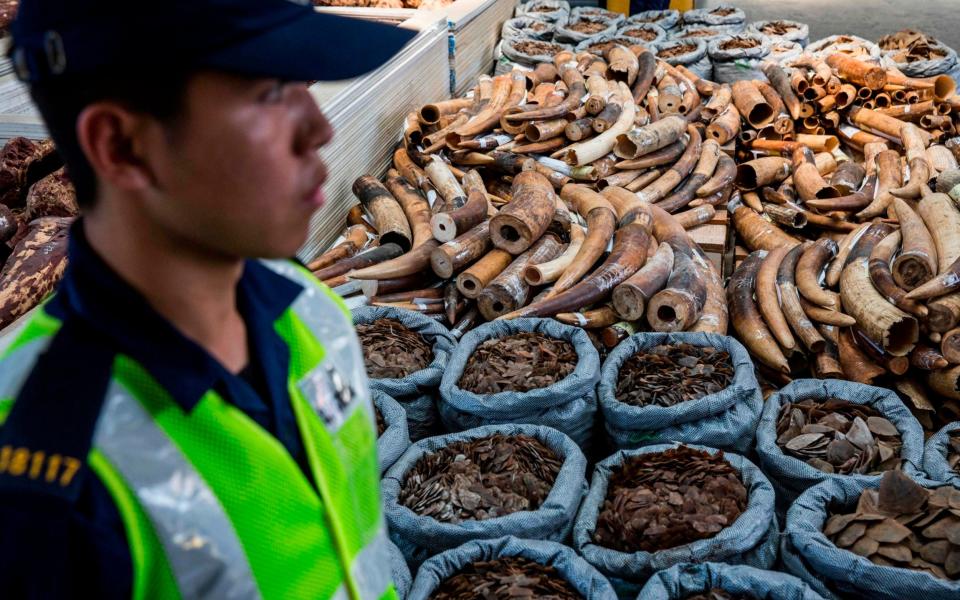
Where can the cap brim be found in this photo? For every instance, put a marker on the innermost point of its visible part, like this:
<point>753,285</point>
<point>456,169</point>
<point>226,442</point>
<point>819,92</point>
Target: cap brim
<point>317,46</point>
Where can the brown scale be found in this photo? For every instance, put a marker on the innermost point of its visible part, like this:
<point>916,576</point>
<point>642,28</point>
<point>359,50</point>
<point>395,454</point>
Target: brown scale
<point>506,579</point>
<point>903,525</point>
<point>518,363</point>
<point>481,479</point>
<point>840,437</point>
<point>667,499</point>
<point>671,374</point>
<point>391,351</point>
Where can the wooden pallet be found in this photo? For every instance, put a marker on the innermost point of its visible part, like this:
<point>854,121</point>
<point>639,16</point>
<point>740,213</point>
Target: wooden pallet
<point>713,238</point>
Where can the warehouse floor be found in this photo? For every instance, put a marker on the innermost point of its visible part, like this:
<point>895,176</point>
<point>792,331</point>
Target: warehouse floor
<point>871,19</point>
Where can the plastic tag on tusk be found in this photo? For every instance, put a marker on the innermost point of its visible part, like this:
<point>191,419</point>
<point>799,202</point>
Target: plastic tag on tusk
<point>906,110</point>
<point>431,197</point>
<point>420,305</point>
<point>581,320</point>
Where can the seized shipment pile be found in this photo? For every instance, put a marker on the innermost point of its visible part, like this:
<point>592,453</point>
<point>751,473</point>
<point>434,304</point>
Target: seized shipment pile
<point>475,204</point>
<point>564,188</point>
<point>854,255</point>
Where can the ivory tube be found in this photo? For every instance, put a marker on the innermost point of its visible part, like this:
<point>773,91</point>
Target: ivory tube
<point>386,212</point>
<point>882,278</point>
<point>644,140</point>
<point>677,173</point>
<point>631,296</point>
<point>508,291</point>
<point>726,126</point>
<point>452,256</point>
<point>414,206</point>
<point>746,318</point>
<point>718,102</point>
<point>917,262</point>
<point>757,233</point>
<point>946,382</point>
<point>858,72</point>
<point>472,281</point>
<point>664,156</point>
<point>601,223</point>
<point>790,302</point>
<point>856,365</point>
<point>627,256</point>
<point>751,104</point>
<point>891,328</point>
<point>762,172</point>
<point>548,272</point>
<point>781,83</point>
<point>521,222</point>
<point>825,315</point>
<point>593,149</point>
<point>768,298</point>
<point>809,267</point>
<point>723,176</point>
<point>371,257</point>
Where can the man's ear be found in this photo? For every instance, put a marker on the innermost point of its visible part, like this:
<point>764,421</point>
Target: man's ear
<point>112,137</point>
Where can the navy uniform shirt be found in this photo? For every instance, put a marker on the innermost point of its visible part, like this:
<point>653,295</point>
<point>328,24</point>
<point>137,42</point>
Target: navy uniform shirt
<point>47,551</point>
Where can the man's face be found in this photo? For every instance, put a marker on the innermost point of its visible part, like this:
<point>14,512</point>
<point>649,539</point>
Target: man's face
<point>239,173</point>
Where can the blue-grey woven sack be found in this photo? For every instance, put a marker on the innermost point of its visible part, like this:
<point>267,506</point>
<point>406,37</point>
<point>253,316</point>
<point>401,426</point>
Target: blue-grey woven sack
<point>627,31</point>
<point>800,34</point>
<point>682,581</point>
<point>594,11</point>
<point>697,60</point>
<point>554,11</point>
<point>565,34</point>
<point>738,64</point>
<point>709,16</point>
<point>568,405</point>
<point>582,577</point>
<point>527,27</point>
<point>935,464</point>
<point>752,539</point>
<point>791,476</point>
<point>725,420</point>
<point>416,392</point>
<point>395,440</point>
<point>402,580</point>
<point>668,19</point>
<point>420,537</point>
<point>837,573</point>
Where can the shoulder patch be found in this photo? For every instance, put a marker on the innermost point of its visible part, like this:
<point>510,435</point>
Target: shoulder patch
<point>49,432</point>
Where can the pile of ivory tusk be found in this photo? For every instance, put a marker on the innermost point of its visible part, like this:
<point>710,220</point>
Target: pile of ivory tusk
<point>566,191</point>
<point>561,192</point>
<point>848,201</point>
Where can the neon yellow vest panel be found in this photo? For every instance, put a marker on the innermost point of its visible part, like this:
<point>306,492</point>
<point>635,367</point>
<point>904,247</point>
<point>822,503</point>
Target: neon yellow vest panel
<point>213,505</point>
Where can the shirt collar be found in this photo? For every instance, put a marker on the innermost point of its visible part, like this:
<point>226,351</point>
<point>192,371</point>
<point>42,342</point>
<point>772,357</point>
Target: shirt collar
<point>92,290</point>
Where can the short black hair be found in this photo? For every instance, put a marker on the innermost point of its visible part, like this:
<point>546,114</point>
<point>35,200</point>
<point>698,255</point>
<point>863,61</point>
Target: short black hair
<point>60,101</point>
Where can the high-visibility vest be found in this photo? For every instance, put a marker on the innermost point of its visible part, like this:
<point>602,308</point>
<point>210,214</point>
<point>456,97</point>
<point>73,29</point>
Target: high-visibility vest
<point>213,505</point>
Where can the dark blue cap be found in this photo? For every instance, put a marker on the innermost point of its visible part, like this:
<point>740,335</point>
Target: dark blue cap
<point>286,39</point>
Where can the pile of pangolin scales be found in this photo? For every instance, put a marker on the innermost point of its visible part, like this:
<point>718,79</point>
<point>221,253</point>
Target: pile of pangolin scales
<point>565,192</point>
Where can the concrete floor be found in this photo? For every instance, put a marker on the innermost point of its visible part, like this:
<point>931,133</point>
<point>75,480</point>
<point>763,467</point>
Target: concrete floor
<point>870,19</point>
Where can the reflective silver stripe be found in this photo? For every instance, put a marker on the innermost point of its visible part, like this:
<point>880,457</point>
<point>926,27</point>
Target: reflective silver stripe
<point>15,368</point>
<point>330,326</point>
<point>371,568</point>
<point>205,555</point>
